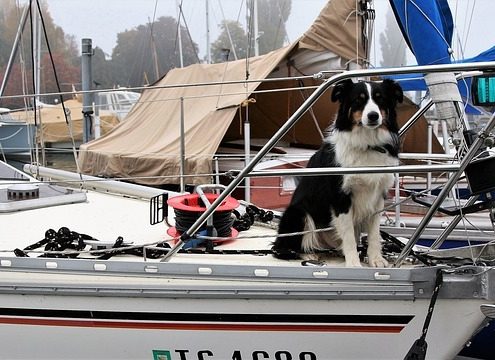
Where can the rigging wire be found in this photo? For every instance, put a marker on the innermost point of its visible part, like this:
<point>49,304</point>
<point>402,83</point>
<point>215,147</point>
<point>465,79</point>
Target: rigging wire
<point>279,26</point>
<point>152,42</point>
<point>250,25</point>
<point>458,37</point>
<point>466,34</point>
<point>232,45</point>
<point>356,14</point>
<point>240,10</point>
<point>24,83</point>
<point>57,82</point>
<point>33,62</point>
<point>434,27</point>
<point>178,33</point>
<point>190,37</point>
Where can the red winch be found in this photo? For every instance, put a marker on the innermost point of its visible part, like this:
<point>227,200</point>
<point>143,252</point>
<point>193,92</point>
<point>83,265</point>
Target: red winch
<point>188,208</point>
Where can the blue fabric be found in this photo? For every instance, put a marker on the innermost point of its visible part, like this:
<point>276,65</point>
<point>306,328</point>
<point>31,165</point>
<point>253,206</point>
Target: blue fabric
<point>427,27</point>
<point>411,82</point>
<point>487,55</point>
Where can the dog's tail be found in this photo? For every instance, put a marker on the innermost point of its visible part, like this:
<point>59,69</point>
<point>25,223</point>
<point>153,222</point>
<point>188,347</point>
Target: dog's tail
<point>289,247</point>
<point>310,241</point>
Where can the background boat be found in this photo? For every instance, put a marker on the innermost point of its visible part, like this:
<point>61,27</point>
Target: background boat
<point>16,135</point>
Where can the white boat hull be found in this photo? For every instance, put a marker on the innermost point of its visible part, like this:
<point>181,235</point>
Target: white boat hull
<point>72,338</point>
<point>187,311</point>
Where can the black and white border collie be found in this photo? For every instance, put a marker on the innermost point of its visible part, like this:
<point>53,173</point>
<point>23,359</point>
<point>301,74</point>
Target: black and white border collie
<point>365,133</point>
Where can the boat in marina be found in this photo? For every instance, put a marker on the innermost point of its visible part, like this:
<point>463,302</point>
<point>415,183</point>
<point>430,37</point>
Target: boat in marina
<point>16,136</point>
<point>92,267</point>
<point>58,125</point>
<point>196,121</point>
<point>103,272</point>
<point>51,128</point>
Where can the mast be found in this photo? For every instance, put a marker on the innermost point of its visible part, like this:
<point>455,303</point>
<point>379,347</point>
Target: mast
<point>36,43</point>
<point>153,51</point>
<point>208,54</point>
<point>255,30</point>
<point>179,37</point>
<point>252,26</point>
<point>13,53</point>
<point>86,75</point>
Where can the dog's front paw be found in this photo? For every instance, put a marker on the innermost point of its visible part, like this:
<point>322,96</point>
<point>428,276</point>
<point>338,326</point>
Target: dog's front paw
<point>377,261</point>
<point>310,257</point>
<point>352,261</point>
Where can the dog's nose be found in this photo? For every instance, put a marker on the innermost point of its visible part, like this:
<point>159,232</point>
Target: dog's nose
<point>373,117</point>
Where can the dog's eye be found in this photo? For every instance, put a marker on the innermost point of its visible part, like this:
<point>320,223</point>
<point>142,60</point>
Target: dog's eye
<point>362,96</point>
<point>378,95</point>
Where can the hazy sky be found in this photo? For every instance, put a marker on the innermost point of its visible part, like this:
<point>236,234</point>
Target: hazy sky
<point>101,20</point>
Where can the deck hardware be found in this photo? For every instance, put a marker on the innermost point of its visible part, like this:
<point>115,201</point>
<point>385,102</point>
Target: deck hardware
<point>158,208</point>
<point>205,271</point>
<point>23,192</point>
<point>151,269</point>
<point>261,272</point>
<point>381,276</point>
<point>51,265</point>
<point>100,267</point>
<point>320,274</point>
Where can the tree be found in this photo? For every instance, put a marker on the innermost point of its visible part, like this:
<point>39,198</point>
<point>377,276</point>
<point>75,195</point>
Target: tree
<point>67,74</point>
<point>392,44</point>
<point>239,42</point>
<point>272,16</point>
<point>143,54</point>
<point>103,74</point>
<point>63,48</point>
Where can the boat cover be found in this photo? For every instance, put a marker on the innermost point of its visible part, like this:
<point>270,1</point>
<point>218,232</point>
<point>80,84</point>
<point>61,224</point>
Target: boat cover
<point>146,147</point>
<point>52,127</point>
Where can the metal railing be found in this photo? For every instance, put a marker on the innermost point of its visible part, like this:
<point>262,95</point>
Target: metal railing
<point>481,66</point>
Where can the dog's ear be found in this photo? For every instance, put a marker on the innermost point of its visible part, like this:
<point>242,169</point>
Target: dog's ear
<point>341,90</point>
<point>393,89</point>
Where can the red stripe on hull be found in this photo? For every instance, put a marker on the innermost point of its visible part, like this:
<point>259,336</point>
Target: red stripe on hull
<point>391,329</point>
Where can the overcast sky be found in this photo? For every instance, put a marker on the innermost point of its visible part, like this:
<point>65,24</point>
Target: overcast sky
<point>101,20</point>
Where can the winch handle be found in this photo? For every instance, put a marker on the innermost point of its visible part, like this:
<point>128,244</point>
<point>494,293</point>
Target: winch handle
<point>200,190</point>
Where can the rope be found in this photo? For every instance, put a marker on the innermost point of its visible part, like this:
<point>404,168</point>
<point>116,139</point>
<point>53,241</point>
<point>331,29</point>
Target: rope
<point>65,243</point>
<point>418,349</point>
<point>222,221</point>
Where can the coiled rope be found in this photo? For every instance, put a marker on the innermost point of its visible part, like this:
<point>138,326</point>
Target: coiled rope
<point>222,221</point>
<point>188,208</point>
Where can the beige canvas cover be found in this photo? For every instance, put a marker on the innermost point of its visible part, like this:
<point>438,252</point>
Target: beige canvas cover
<point>338,29</point>
<point>145,148</point>
<point>147,144</point>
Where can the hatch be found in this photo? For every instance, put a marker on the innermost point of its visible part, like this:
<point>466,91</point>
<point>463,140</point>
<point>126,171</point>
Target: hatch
<point>20,192</point>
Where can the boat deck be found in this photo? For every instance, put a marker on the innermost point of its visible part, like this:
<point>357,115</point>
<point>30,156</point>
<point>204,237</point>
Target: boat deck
<point>105,216</point>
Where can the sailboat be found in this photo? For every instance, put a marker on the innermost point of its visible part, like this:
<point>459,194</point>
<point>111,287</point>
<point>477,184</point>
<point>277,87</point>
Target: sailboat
<point>92,285</point>
<point>91,266</point>
<point>226,117</point>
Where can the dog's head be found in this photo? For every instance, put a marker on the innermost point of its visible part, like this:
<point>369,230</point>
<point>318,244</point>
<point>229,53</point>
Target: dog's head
<point>367,104</point>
